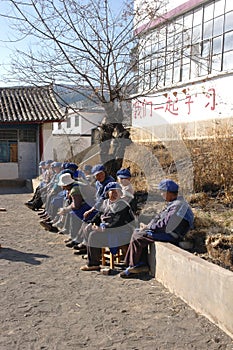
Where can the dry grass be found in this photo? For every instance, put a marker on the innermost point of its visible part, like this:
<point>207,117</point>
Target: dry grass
<point>213,193</point>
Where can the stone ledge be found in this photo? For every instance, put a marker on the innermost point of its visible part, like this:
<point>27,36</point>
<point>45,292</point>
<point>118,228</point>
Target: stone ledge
<point>35,183</point>
<point>206,287</point>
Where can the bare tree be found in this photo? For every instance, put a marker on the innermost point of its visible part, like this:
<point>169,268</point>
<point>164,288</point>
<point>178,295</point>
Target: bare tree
<point>88,46</point>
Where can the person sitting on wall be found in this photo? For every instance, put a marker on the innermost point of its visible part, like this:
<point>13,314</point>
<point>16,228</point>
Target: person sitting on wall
<point>77,174</point>
<point>102,179</point>
<point>124,178</point>
<point>77,205</point>
<point>30,203</point>
<point>56,196</point>
<point>40,194</point>
<point>87,169</point>
<point>111,227</point>
<point>170,225</point>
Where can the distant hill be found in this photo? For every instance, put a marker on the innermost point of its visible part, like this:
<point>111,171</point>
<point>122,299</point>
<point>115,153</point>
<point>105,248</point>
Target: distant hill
<point>69,94</point>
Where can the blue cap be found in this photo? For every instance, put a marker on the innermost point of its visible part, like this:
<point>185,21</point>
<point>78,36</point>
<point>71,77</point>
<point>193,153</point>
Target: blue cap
<point>64,165</point>
<point>42,163</point>
<point>67,171</point>
<point>168,185</point>
<point>56,165</point>
<point>70,166</point>
<point>98,168</point>
<point>49,162</point>
<point>112,186</point>
<point>87,167</point>
<point>123,174</point>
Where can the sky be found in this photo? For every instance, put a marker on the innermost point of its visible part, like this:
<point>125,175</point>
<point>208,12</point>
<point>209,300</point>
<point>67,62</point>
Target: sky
<point>7,48</point>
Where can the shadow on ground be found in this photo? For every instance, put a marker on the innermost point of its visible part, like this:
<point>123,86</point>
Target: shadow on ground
<point>14,190</point>
<point>16,255</point>
<point>15,186</point>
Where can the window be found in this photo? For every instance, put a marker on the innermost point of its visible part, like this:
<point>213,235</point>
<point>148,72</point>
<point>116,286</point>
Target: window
<point>228,42</point>
<point>209,12</point>
<point>195,44</point>
<point>229,21</point>
<point>229,5</point>
<point>228,60</point>
<point>208,29</point>
<point>27,135</point>
<point>219,8</point>
<point>8,135</point>
<point>218,26</point>
<point>217,45</point>
<point>9,139</point>
<point>8,151</point>
<point>68,122</point>
<point>76,121</point>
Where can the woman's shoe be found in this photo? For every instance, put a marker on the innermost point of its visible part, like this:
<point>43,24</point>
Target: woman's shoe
<point>80,246</point>
<point>71,244</point>
<point>80,251</point>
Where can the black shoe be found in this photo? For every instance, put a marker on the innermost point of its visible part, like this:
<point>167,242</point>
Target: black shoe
<point>80,251</point>
<point>53,229</point>
<point>45,215</point>
<point>46,220</point>
<point>71,244</point>
<point>42,213</point>
<point>30,205</point>
<point>79,246</point>
<point>67,240</point>
<point>48,226</point>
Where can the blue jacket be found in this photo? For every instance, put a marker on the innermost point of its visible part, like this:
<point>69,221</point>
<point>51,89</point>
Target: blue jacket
<point>176,217</point>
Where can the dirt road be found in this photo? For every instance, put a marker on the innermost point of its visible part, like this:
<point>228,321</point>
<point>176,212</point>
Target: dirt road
<point>48,303</point>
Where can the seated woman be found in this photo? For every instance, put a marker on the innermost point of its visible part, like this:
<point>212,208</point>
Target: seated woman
<point>170,225</point>
<point>111,227</point>
<point>101,180</point>
<point>77,204</point>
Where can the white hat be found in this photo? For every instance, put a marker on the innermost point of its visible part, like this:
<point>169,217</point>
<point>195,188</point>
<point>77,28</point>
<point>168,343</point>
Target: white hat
<point>65,180</point>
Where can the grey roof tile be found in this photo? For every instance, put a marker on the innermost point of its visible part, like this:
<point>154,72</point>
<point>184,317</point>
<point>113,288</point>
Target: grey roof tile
<point>29,104</point>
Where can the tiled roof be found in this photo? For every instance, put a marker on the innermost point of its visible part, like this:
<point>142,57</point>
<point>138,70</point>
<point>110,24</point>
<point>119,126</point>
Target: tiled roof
<point>29,104</point>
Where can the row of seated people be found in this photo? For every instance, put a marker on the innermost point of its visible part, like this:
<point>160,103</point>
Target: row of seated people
<point>171,225</point>
<point>100,216</point>
<point>72,203</point>
<point>49,177</point>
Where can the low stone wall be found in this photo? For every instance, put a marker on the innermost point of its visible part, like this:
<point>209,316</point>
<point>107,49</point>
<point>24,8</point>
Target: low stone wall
<point>35,183</point>
<point>206,287</point>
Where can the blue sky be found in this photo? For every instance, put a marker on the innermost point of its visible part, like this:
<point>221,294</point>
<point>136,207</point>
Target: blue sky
<point>7,48</point>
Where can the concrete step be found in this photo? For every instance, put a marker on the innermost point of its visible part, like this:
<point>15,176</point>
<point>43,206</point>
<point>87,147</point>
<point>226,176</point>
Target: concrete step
<point>206,287</point>
<point>15,186</point>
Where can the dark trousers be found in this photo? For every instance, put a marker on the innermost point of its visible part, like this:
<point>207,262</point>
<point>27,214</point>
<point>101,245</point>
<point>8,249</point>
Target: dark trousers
<point>109,238</point>
<point>138,247</point>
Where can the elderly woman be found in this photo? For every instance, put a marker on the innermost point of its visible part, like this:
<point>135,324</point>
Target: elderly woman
<point>111,227</point>
<point>170,225</point>
<point>102,179</point>
<point>76,204</point>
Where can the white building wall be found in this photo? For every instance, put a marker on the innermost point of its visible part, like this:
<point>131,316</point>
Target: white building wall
<point>9,171</point>
<point>196,104</point>
<point>189,104</point>
<point>47,141</point>
<point>69,141</point>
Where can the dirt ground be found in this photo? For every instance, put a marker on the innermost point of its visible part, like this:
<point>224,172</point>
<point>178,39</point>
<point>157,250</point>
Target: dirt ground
<point>48,303</point>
